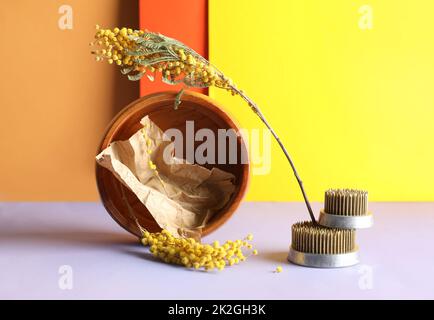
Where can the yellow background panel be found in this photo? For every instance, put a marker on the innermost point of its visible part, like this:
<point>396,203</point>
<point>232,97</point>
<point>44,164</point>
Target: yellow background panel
<point>354,106</point>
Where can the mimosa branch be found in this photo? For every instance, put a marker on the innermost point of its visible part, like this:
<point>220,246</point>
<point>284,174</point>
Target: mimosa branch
<point>140,53</point>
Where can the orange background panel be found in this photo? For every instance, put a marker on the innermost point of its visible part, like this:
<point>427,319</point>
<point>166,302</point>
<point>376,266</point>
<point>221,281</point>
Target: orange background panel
<point>186,21</point>
<point>55,100</point>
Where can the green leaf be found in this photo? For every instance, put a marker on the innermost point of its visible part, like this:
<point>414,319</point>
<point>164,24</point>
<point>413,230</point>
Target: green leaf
<point>170,81</point>
<point>134,53</point>
<point>127,70</point>
<point>149,62</point>
<point>156,45</point>
<point>178,99</point>
<point>136,76</point>
<point>137,40</point>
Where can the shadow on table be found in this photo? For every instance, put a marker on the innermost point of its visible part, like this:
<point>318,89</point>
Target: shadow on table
<point>275,256</point>
<point>122,243</point>
<point>141,253</point>
<point>68,237</point>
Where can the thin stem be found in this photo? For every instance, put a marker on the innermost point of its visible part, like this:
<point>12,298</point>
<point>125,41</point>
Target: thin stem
<point>256,109</point>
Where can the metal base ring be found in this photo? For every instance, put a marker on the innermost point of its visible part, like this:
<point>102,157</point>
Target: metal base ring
<point>323,260</point>
<point>345,222</point>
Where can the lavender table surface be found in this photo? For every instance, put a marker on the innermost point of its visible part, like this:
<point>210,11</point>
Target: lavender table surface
<point>36,239</point>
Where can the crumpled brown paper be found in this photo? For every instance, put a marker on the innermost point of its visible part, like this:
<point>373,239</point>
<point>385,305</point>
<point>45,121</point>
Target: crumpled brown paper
<point>180,196</point>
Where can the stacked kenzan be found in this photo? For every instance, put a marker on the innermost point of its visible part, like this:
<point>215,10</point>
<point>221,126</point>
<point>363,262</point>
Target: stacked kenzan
<point>331,242</point>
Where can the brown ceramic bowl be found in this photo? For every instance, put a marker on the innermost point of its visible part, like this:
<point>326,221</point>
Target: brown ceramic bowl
<point>205,113</point>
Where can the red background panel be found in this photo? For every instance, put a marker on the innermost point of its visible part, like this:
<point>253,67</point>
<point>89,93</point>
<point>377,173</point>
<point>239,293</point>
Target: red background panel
<point>186,21</point>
